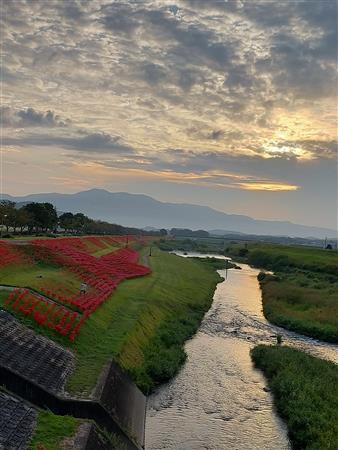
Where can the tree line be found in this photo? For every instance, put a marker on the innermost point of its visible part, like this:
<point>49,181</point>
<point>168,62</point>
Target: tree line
<point>43,218</point>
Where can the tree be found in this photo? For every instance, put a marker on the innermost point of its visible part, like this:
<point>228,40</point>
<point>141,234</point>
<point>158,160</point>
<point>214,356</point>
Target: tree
<point>50,216</point>
<point>42,216</point>
<point>243,252</point>
<point>80,221</point>
<point>163,232</point>
<point>66,221</point>
<point>22,219</point>
<point>7,213</point>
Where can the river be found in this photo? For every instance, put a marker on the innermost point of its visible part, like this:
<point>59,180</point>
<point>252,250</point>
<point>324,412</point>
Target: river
<point>219,401</point>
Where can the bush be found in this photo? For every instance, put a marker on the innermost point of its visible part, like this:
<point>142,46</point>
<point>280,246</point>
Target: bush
<point>243,252</point>
<point>305,392</point>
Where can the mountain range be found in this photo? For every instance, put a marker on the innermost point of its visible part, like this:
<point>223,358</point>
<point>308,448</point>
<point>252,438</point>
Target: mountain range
<point>138,210</point>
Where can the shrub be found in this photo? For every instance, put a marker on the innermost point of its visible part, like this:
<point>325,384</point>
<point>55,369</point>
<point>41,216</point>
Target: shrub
<point>305,392</point>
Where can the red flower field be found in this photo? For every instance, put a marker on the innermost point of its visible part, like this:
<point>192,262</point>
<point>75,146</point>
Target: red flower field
<point>58,310</point>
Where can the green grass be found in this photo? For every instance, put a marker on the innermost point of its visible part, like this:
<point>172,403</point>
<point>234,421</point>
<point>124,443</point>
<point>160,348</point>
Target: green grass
<point>143,326</point>
<point>51,430</point>
<point>26,275</point>
<point>128,326</point>
<point>304,295</point>
<point>306,309</point>
<point>305,392</point>
<point>306,258</point>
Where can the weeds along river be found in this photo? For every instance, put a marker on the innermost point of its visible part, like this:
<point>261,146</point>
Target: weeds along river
<point>219,401</point>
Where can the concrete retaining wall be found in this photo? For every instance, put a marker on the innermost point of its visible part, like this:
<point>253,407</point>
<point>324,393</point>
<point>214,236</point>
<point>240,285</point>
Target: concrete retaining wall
<point>82,409</point>
<point>124,401</point>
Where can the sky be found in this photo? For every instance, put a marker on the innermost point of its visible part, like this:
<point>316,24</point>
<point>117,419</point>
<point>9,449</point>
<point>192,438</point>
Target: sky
<point>230,104</point>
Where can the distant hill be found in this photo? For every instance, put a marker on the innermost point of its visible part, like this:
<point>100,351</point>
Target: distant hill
<point>138,210</point>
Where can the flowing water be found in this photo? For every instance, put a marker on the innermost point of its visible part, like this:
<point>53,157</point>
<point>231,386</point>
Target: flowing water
<point>219,401</point>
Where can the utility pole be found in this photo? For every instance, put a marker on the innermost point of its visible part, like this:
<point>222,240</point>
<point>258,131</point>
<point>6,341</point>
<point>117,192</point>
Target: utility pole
<point>226,269</point>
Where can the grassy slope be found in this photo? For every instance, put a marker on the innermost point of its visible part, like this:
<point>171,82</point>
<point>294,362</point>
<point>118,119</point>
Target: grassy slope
<point>143,325</point>
<point>126,327</point>
<point>306,395</point>
<point>51,430</point>
<point>27,276</point>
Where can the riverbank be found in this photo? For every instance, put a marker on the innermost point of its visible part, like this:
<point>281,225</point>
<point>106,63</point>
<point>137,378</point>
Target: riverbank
<point>176,296</point>
<point>305,391</point>
<point>303,297</point>
<point>143,326</point>
<point>218,400</point>
<point>231,408</point>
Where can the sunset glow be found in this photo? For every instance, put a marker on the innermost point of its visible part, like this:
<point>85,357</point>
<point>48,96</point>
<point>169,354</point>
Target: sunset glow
<point>238,98</point>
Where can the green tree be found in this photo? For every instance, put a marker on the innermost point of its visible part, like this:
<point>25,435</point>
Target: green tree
<point>43,216</point>
<point>7,214</point>
<point>66,221</point>
<point>22,219</point>
<point>80,221</point>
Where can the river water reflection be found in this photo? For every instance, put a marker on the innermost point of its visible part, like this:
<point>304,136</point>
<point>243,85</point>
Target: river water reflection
<point>219,401</point>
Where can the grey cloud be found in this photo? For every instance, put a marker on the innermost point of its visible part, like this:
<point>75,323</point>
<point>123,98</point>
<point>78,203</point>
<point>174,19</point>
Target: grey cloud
<point>200,132</point>
<point>29,117</point>
<point>216,135</point>
<point>239,76</point>
<point>90,143</point>
<point>190,41</point>
<point>152,73</point>
<point>119,17</point>
<point>188,77</point>
<point>72,10</point>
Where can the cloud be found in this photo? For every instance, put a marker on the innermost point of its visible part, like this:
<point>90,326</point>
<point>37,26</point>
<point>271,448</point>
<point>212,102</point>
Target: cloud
<point>29,117</point>
<point>192,86</point>
<point>152,73</point>
<point>317,148</point>
<point>90,143</point>
<point>216,135</point>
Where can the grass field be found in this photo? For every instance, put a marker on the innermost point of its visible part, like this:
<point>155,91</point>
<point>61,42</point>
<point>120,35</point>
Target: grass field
<point>306,258</point>
<point>39,276</point>
<point>309,310</point>
<point>306,395</point>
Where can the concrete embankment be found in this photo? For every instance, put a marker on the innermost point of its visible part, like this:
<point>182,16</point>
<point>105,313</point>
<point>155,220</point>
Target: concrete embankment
<point>35,369</point>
